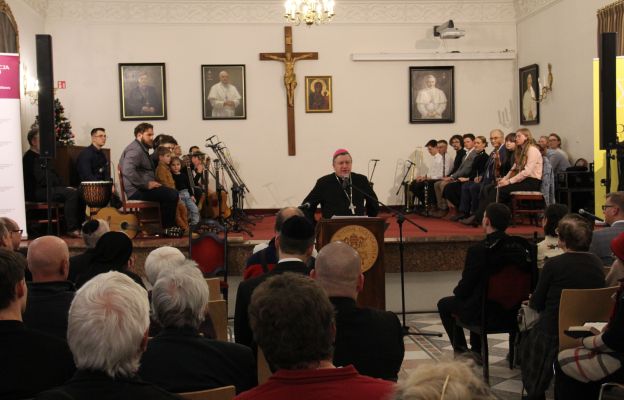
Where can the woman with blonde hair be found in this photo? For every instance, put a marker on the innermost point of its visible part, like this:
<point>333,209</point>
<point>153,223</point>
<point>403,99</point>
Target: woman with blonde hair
<point>451,380</point>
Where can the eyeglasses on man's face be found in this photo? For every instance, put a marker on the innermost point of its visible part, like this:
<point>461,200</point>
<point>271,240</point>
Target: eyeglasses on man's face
<point>604,207</point>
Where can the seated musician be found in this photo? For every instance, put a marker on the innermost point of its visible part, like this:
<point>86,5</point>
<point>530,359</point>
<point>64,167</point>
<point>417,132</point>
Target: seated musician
<point>199,171</point>
<point>92,164</point>
<point>342,192</point>
<point>35,184</point>
<point>435,173</point>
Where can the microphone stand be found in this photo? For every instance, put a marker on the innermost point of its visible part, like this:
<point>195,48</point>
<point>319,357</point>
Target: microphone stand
<point>400,218</point>
<point>404,186</point>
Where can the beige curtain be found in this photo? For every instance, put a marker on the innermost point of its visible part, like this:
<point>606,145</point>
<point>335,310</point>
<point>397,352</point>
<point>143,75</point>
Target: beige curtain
<point>611,19</point>
<point>9,40</point>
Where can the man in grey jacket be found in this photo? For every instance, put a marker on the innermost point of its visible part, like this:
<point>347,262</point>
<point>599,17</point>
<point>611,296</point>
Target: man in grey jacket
<point>613,210</point>
<point>138,175</point>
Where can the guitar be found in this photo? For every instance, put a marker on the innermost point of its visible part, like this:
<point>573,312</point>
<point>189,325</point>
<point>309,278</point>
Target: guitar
<point>120,222</point>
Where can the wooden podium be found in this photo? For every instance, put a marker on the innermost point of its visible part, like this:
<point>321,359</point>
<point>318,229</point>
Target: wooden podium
<point>366,236</point>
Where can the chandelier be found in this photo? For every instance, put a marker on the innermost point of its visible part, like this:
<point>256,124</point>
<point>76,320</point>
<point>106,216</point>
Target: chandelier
<point>309,11</point>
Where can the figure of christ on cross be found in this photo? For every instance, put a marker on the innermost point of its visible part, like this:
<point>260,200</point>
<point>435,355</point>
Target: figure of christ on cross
<point>290,79</point>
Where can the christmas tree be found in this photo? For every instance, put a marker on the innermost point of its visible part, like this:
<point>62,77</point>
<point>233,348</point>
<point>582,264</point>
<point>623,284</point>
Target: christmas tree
<point>62,126</point>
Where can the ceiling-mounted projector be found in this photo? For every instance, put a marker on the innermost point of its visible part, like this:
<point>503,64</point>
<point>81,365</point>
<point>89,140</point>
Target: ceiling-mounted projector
<point>447,30</point>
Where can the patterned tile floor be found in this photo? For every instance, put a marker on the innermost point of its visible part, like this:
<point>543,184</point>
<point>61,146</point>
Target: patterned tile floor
<point>506,383</point>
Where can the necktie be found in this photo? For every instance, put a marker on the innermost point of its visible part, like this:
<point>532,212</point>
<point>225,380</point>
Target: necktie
<point>443,165</point>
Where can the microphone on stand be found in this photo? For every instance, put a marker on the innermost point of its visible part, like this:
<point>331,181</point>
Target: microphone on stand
<point>304,206</point>
<point>590,215</point>
<point>210,138</point>
<point>346,182</point>
<point>411,162</point>
<point>375,159</point>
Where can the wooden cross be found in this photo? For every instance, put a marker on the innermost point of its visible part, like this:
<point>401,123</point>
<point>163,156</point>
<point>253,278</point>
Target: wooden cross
<point>290,80</point>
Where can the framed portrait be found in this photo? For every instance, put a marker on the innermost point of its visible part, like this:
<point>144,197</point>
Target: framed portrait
<point>318,94</point>
<point>142,91</point>
<point>223,91</point>
<point>432,95</point>
<point>529,91</point>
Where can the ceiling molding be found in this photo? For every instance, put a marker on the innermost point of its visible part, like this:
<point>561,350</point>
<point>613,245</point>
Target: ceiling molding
<point>526,8</point>
<point>270,11</point>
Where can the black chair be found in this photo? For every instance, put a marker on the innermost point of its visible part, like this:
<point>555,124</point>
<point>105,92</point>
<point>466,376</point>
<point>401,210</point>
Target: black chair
<point>512,263</point>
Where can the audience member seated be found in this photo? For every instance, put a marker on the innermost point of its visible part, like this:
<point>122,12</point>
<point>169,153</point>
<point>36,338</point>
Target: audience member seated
<point>371,340</point>
<point>457,143</point>
<point>616,273</point>
<point>467,299</point>
<point>31,361</point>
<point>264,257</point>
<point>549,247</point>
<point>293,323</point>
<point>548,180</point>
<point>424,183</point>
<point>107,334</point>
<point>452,191</point>
<point>576,268</point>
<point>5,237</point>
<point>444,380</point>
<point>50,293</point>
<point>35,184</point>
<point>162,259</point>
<point>510,149</point>
<point>558,158</point>
<point>542,142</point>
<point>14,231</point>
<point>92,230</point>
<point>613,210</point>
<point>581,371</point>
<point>294,246</point>
<point>113,252</point>
<point>179,358</point>
<point>525,174</point>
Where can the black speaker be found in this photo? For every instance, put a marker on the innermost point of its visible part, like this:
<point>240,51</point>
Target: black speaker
<point>47,137</point>
<point>608,132</point>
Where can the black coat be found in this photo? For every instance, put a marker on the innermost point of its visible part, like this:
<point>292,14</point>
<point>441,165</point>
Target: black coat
<point>31,361</point>
<point>242,329</point>
<point>79,263</point>
<point>180,360</point>
<point>334,200</point>
<point>47,307</point>
<point>92,165</point>
<point>96,385</point>
<point>371,340</point>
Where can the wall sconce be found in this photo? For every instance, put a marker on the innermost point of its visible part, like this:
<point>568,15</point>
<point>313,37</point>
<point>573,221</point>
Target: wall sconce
<point>545,90</point>
<point>31,86</point>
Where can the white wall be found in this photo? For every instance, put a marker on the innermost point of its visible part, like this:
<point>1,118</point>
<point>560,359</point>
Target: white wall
<point>371,99</point>
<point>564,34</point>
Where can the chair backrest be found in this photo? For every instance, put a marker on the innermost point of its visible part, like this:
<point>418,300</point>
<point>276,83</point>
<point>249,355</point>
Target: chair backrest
<point>578,306</point>
<point>214,286</point>
<point>222,393</point>
<point>208,252</point>
<point>217,311</point>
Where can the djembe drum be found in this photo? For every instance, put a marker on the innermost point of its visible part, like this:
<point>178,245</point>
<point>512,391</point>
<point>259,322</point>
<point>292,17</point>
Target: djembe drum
<point>96,194</point>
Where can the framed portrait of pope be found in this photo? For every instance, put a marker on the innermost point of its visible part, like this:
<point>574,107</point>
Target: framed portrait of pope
<point>223,91</point>
<point>432,95</point>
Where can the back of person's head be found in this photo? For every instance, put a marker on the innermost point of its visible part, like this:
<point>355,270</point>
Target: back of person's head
<point>283,214</point>
<point>48,259</point>
<point>575,232</point>
<point>180,297</point>
<point>452,380</point>
<point>553,215</point>
<point>617,198</point>
<point>499,216</point>
<point>113,249</point>
<point>92,231</point>
<point>142,127</point>
<point>12,270</point>
<point>107,325</point>
<point>296,236</point>
<point>162,259</point>
<point>292,321</point>
<point>338,268</point>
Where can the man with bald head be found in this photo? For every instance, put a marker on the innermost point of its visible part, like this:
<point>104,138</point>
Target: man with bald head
<point>371,340</point>
<point>50,293</point>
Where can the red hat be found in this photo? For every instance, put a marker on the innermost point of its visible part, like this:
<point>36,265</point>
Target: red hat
<point>340,152</point>
<point>617,246</point>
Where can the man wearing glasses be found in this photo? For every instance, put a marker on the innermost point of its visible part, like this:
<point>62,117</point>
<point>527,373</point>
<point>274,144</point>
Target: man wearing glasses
<point>613,210</point>
<point>15,233</point>
<point>92,164</point>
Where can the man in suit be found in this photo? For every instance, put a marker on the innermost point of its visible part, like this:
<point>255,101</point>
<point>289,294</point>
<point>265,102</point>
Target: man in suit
<point>342,192</point>
<point>107,333</point>
<point>179,358</point>
<point>613,210</point>
<point>50,293</point>
<point>31,361</point>
<point>294,246</point>
<point>294,324</point>
<point>92,164</point>
<point>138,175</point>
<point>371,340</point>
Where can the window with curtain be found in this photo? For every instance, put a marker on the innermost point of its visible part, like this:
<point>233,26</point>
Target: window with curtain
<point>611,19</point>
<point>9,38</point>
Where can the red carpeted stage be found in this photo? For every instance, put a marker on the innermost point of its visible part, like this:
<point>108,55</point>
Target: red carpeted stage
<point>442,248</point>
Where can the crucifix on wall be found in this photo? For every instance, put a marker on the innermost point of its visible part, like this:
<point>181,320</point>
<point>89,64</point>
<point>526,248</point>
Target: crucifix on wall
<point>290,80</point>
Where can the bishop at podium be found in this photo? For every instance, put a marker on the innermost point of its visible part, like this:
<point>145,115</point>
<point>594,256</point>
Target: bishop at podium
<point>341,192</point>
